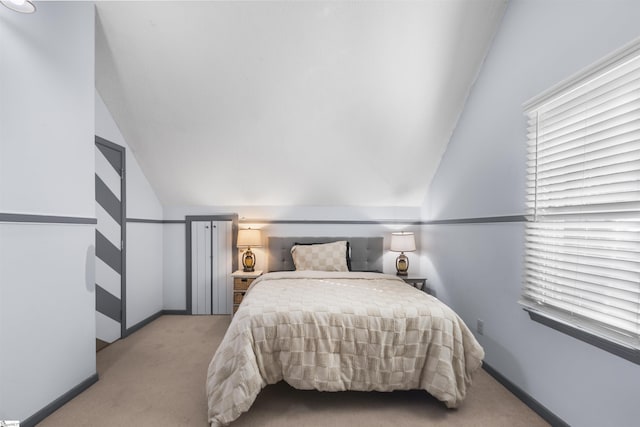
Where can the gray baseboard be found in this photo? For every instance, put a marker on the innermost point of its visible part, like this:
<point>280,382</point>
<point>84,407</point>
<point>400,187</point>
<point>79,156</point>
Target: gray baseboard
<point>144,322</point>
<point>153,317</point>
<point>526,398</point>
<point>59,402</point>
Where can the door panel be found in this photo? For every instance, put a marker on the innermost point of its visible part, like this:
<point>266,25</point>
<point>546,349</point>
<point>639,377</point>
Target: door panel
<point>109,182</point>
<point>201,267</point>
<point>223,282</point>
<point>211,282</point>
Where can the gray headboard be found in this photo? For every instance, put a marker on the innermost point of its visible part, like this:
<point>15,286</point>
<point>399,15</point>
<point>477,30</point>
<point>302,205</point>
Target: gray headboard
<point>366,252</point>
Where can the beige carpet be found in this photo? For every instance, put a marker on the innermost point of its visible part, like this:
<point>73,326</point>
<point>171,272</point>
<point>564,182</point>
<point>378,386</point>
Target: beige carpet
<point>156,377</point>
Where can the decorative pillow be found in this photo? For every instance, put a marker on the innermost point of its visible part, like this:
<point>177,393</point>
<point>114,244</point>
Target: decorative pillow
<point>321,256</point>
<point>347,254</point>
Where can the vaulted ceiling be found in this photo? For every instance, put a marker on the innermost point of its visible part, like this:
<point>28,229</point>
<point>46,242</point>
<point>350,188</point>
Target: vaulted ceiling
<point>282,102</point>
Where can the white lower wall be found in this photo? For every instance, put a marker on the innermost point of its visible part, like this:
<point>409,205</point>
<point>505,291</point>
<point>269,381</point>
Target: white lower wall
<point>47,303</point>
<point>144,271</point>
<point>174,260</point>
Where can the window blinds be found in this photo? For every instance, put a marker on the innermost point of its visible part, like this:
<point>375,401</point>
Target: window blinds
<point>582,262</point>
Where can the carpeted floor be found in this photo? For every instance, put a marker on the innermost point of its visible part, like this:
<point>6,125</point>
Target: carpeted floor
<point>156,377</point>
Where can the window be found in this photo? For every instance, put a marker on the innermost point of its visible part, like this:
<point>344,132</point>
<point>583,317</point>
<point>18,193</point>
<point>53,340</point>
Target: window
<point>582,263</point>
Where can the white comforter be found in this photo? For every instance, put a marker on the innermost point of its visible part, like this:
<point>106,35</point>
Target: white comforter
<point>339,331</point>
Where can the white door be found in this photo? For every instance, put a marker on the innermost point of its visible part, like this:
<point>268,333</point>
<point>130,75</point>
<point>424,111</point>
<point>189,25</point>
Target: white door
<point>211,282</point>
<point>222,280</point>
<point>201,260</point>
<point>110,259</point>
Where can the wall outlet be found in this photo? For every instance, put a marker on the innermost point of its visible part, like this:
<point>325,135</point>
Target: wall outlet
<point>480,327</point>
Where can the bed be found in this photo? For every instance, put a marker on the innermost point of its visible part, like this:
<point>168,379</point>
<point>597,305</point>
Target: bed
<point>338,330</point>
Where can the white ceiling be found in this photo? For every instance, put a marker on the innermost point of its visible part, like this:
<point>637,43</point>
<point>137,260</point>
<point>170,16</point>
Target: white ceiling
<point>290,103</point>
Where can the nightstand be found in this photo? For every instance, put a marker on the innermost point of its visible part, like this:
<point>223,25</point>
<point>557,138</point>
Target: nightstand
<point>418,283</point>
<point>241,282</point>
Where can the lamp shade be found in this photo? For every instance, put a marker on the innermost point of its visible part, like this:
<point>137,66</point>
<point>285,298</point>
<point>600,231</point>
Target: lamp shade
<point>403,242</point>
<point>249,238</point>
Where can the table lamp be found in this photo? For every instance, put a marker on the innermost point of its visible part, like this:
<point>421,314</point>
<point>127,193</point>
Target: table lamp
<point>246,239</point>
<point>402,242</point>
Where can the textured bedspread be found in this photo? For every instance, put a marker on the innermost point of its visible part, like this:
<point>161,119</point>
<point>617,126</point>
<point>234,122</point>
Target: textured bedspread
<point>339,331</point>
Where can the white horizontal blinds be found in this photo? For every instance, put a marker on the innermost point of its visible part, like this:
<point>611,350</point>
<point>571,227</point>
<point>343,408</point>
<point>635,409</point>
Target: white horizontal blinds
<point>583,201</point>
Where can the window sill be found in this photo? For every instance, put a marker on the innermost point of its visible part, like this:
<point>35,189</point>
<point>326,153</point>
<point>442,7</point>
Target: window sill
<point>627,353</point>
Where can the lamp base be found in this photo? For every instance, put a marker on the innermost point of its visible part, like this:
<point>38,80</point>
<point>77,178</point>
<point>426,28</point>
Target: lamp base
<point>248,261</point>
<point>402,265</point>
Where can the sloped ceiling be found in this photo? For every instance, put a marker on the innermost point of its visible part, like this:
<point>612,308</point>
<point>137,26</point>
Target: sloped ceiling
<point>290,103</point>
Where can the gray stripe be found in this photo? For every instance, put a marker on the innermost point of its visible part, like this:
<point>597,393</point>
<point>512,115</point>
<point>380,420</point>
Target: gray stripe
<point>156,221</point>
<point>107,252</point>
<point>485,219</point>
<point>332,222</point>
<point>111,153</point>
<point>108,200</point>
<point>215,217</point>
<point>478,220</point>
<point>46,219</point>
<point>506,218</point>
<point>107,304</point>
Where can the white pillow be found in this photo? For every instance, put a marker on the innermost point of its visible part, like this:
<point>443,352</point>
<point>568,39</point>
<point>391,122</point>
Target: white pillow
<point>321,256</point>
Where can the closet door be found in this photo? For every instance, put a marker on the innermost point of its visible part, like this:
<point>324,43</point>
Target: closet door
<point>222,280</point>
<point>211,265</point>
<point>201,261</point>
